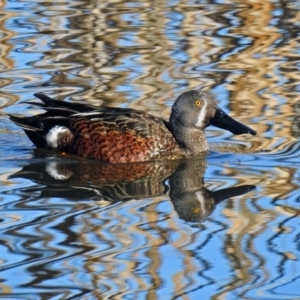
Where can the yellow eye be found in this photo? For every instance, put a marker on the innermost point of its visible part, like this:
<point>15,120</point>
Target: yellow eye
<point>196,210</point>
<point>198,103</point>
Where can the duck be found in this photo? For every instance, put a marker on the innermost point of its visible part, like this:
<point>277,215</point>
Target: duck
<point>125,135</point>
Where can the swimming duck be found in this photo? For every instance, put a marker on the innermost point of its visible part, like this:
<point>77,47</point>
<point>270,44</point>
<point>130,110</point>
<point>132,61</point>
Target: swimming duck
<point>122,135</point>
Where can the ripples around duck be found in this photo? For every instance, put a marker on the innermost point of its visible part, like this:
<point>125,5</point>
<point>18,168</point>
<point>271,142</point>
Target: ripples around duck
<point>102,229</point>
<point>81,215</point>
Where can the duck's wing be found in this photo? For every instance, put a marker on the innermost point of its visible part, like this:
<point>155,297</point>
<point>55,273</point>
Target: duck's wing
<point>60,113</point>
<point>63,108</point>
<point>123,120</point>
<point>57,107</point>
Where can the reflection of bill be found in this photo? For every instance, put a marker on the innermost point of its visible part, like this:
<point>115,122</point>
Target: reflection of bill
<point>89,179</point>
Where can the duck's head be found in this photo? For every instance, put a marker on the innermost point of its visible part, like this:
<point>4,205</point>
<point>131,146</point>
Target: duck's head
<point>195,110</point>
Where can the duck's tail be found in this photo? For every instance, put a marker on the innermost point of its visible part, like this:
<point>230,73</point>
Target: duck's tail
<point>40,129</point>
<point>33,128</point>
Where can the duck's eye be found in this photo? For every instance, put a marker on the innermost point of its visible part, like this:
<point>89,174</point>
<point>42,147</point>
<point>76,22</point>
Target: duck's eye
<point>198,103</point>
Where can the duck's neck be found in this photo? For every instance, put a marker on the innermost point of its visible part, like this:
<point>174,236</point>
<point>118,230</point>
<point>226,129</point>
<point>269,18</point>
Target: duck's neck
<point>191,140</point>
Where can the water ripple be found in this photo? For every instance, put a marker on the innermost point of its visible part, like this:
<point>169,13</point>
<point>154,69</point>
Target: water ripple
<point>73,229</point>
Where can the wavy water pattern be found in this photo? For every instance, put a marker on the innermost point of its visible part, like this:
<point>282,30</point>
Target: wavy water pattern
<point>223,226</point>
<point>139,247</point>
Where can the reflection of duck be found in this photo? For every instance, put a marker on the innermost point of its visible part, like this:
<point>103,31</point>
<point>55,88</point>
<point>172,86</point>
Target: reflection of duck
<point>120,135</point>
<point>192,201</point>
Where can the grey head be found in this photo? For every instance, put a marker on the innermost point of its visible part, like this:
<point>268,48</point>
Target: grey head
<point>192,112</point>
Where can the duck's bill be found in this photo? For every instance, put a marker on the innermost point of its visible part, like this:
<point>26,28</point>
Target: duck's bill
<point>227,193</point>
<point>224,121</point>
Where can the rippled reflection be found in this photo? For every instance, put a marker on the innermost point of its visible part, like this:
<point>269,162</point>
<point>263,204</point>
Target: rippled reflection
<point>113,182</point>
<point>78,215</point>
<point>75,214</point>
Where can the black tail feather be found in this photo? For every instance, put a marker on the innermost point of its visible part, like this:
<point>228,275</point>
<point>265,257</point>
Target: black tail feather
<point>46,99</point>
<point>33,129</point>
<point>26,123</point>
<point>70,107</point>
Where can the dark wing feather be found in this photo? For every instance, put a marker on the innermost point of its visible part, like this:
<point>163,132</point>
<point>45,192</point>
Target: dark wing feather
<point>72,107</point>
<point>62,108</point>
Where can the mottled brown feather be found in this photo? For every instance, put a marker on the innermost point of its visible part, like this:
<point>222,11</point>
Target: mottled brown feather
<point>122,138</point>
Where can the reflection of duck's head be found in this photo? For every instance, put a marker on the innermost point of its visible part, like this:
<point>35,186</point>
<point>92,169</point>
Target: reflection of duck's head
<point>194,206</point>
<point>190,198</point>
<point>192,201</point>
<point>121,135</point>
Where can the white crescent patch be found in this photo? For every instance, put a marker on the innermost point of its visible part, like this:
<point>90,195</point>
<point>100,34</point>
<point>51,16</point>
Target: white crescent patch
<point>53,135</point>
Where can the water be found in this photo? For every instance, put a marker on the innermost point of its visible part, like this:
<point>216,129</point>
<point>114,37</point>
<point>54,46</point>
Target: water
<point>221,227</point>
